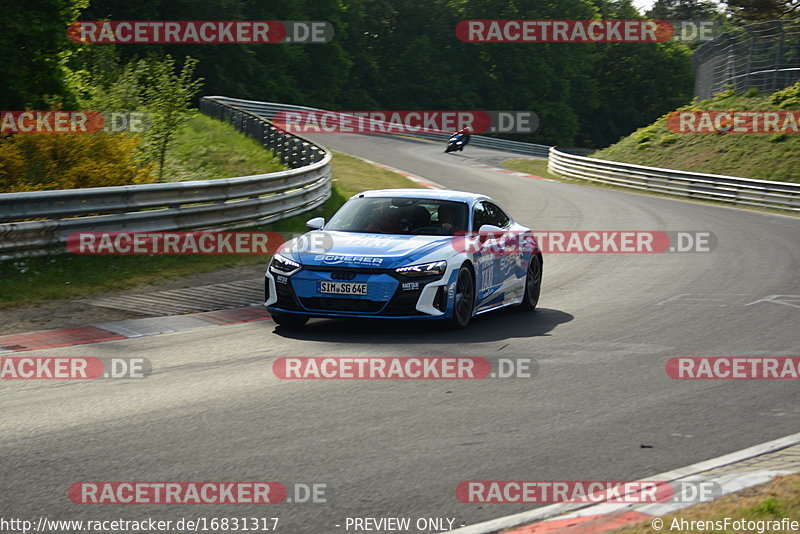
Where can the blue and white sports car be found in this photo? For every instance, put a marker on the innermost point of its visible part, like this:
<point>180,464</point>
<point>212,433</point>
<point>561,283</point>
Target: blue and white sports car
<point>406,254</point>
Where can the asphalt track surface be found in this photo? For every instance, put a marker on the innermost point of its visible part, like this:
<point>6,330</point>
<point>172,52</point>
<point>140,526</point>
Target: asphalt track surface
<point>213,411</point>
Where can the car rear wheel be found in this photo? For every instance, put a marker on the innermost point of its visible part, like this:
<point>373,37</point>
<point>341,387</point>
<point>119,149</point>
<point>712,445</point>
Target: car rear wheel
<point>533,284</point>
<point>464,299</point>
<point>289,320</point>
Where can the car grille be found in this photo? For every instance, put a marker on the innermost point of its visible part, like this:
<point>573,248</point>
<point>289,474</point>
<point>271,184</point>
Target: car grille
<point>343,275</point>
<point>342,304</point>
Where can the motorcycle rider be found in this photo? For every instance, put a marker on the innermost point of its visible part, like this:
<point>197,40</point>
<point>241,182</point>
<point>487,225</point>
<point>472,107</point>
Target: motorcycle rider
<point>465,132</point>
<point>460,135</point>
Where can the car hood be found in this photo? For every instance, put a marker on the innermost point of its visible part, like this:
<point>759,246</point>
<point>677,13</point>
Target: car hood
<point>357,250</point>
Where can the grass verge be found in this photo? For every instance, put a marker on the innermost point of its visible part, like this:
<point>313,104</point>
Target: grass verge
<point>768,502</point>
<point>33,280</point>
<point>763,156</point>
<point>537,167</point>
<point>206,148</point>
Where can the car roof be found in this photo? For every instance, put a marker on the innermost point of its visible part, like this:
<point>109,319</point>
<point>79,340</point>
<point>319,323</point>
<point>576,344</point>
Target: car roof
<point>441,194</point>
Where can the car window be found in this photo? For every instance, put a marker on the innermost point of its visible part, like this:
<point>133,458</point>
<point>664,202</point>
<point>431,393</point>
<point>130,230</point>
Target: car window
<point>400,215</point>
<point>479,216</point>
<point>488,213</point>
<point>496,216</point>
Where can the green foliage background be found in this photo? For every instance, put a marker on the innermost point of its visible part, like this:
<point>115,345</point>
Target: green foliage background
<point>399,54</point>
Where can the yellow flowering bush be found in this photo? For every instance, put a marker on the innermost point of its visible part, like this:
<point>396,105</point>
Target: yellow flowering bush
<point>42,161</point>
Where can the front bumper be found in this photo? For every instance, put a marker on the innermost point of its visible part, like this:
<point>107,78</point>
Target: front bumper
<point>389,294</point>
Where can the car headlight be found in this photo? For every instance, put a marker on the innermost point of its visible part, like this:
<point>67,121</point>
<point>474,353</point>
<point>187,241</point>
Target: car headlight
<point>283,265</point>
<point>423,269</point>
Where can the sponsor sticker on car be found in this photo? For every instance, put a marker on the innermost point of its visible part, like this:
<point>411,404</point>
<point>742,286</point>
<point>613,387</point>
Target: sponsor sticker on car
<point>335,259</point>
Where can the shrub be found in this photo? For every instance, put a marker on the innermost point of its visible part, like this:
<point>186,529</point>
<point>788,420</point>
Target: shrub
<point>727,92</point>
<point>36,162</point>
<point>787,98</point>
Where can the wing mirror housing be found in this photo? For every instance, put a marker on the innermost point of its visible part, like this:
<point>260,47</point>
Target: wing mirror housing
<point>316,223</point>
<point>489,231</point>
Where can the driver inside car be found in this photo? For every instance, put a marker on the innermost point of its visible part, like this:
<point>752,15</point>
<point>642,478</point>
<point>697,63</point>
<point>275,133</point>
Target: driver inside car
<point>447,218</point>
<point>385,220</point>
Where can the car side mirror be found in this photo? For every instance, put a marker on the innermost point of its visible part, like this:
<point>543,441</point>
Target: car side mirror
<point>489,231</point>
<point>316,223</point>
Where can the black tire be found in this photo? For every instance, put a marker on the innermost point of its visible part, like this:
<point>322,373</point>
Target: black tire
<point>464,299</point>
<point>533,284</point>
<point>289,320</point>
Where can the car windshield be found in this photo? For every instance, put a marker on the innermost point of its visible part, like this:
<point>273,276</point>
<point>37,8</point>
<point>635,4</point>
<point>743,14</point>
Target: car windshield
<point>400,215</point>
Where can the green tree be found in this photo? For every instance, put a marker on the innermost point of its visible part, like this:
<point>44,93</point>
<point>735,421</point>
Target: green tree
<point>747,11</point>
<point>683,10</point>
<point>399,54</point>
<point>35,49</point>
<point>637,82</point>
<point>167,96</point>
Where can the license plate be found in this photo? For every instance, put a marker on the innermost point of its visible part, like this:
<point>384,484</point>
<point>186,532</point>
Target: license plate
<point>343,288</point>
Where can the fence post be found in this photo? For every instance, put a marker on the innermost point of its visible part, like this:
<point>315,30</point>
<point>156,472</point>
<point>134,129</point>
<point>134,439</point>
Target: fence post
<point>778,61</point>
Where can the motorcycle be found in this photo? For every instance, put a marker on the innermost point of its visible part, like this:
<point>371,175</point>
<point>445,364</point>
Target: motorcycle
<point>456,142</point>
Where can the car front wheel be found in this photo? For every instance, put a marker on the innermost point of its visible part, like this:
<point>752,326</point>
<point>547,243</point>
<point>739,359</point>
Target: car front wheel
<point>533,284</point>
<point>464,299</point>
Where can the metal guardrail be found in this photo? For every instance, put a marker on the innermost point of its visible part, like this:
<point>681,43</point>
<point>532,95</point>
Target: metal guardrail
<point>573,163</point>
<point>268,110</point>
<point>178,206</point>
<point>742,191</point>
